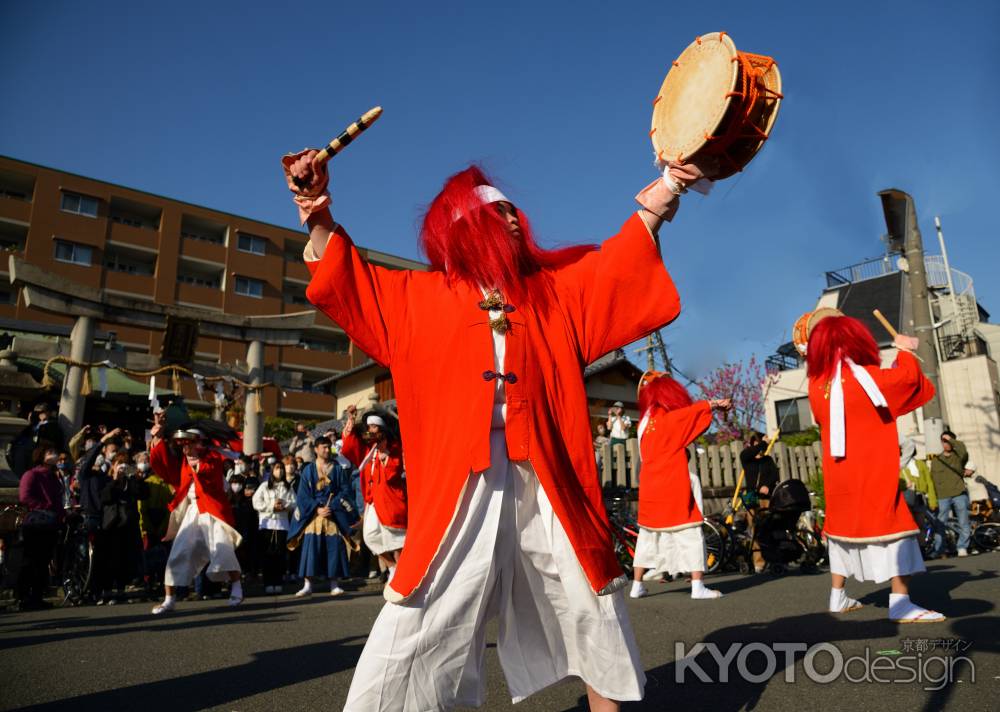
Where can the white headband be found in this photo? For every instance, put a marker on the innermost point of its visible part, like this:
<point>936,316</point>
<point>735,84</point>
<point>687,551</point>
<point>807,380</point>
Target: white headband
<point>488,194</point>
<point>375,420</point>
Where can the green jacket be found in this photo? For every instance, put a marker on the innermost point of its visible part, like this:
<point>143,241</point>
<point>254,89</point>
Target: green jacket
<point>922,482</point>
<point>153,511</point>
<point>948,470</point>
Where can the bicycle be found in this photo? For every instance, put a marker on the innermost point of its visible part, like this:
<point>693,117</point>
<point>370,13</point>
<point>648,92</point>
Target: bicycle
<point>77,560</point>
<point>625,531</point>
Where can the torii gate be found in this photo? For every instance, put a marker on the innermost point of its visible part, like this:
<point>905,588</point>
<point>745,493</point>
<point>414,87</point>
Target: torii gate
<point>57,295</point>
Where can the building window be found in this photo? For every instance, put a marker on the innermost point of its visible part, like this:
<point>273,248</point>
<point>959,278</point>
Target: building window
<point>74,253</point>
<point>79,204</point>
<point>204,237</point>
<point>120,263</point>
<point>787,413</point>
<point>293,252</point>
<point>252,244</point>
<point>337,343</point>
<point>249,287</point>
<point>126,220</point>
<point>199,280</point>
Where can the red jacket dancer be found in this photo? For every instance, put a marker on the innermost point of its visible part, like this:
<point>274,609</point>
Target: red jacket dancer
<point>861,486</point>
<point>666,502</point>
<point>670,539</point>
<point>382,481</point>
<point>201,523</point>
<point>209,482</point>
<point>434,337</point>
<point>506,516</point>
<point>870,531</point>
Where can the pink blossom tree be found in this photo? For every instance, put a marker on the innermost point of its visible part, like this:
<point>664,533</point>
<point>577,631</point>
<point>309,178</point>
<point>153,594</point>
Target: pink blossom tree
<point>743,382</point>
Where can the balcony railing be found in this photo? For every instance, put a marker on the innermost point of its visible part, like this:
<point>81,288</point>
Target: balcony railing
<point>870,269</point>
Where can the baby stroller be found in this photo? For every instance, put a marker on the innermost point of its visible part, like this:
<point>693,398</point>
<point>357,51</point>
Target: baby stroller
<point>776,528</point>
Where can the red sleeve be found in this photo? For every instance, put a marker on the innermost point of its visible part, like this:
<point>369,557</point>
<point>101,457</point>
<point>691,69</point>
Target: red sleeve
<point>393,470</point>
<point>619,293</point>
<point>685,424</point>
<point>166,464</point>
<point>356,295</point>
<point>904,385</point>
<point>352,448</point>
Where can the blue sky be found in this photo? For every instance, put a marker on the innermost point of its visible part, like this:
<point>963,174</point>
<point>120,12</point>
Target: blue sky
<point>197,101</point>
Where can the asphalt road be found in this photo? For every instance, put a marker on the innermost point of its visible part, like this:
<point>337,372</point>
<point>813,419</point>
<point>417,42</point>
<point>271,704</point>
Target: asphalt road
<point>278,653</point>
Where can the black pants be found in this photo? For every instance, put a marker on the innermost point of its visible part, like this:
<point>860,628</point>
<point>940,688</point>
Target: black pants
<point>117,560</point>
<point>274,555</point>
<point>33,577</point>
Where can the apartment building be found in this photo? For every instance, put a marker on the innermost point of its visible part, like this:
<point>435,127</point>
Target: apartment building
<point>142,246</point>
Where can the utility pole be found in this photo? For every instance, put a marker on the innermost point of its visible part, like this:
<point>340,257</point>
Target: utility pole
<point>904,232</point>
<point>958,316</point>
<point>654,344</point>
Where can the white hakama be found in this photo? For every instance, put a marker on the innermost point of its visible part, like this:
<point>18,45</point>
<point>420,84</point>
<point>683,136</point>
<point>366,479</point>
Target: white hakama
<point>679,551</point>
<point>200,539</point>
<point>875,561</point>
<point>505,556</point>
<point>378,537</point>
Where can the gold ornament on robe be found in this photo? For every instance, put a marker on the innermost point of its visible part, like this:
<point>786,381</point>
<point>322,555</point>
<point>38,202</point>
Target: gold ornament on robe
<point>494,301</point>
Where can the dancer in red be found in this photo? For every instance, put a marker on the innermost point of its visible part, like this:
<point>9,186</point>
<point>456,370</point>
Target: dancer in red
<point>383,486</point>
<point>670,539</point>
<point>870,531</point>
<point>506,517</point>
<point>201,523</point>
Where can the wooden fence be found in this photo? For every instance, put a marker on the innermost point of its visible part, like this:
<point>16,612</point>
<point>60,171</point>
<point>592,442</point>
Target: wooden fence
<point>718,467</point>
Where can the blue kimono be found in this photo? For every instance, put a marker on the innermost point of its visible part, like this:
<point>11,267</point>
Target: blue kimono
<point>321,541</point>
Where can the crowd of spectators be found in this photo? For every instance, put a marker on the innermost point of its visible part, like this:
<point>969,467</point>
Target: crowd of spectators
<point>100,479</point>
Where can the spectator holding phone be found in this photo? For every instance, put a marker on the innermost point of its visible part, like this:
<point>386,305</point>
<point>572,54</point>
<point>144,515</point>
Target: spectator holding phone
<point>274,500</point>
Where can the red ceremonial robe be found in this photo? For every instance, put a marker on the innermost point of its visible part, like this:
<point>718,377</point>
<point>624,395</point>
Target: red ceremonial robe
<point>666,502</point>
<point>209,481</point>
<point>863,501</point>
<point>437,342</point>
<point>382,484</point>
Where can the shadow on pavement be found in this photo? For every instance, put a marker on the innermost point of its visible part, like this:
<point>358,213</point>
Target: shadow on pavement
<point>269,671</point>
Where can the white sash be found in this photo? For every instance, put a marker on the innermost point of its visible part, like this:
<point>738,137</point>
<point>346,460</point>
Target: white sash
<point>838,439</point>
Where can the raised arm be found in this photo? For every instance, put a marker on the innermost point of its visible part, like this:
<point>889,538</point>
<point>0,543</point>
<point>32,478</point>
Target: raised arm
<point>355,294</point>
<point>904,385</point>
<point>165,463</point>
<point>618,293</point>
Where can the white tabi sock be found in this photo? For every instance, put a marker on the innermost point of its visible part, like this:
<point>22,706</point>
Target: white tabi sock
<point>903,610</point>
<point>169,600</point>
<point>699,590</point>
<point>638,589</point>
<point>236,589</point>
<point>840,602</point>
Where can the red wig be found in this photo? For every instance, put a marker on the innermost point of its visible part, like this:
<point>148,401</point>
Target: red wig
<point>836,338</point>
<point>470,240</point>
<point>664,392</point>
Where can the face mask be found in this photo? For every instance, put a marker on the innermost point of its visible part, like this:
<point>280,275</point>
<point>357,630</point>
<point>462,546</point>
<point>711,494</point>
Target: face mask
<point>236,487</point>
<point>271,460</point>
<point>142,466</point>
<point>89,444</point>
<point>62,465</point>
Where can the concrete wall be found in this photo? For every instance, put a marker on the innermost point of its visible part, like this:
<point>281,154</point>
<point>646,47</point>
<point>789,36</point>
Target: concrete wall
<point>970,388</point>
<point>357,389</point>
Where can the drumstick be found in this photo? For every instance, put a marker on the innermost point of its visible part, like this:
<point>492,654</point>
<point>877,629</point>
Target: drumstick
<point>337,145</point>
<point>888,327</point>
